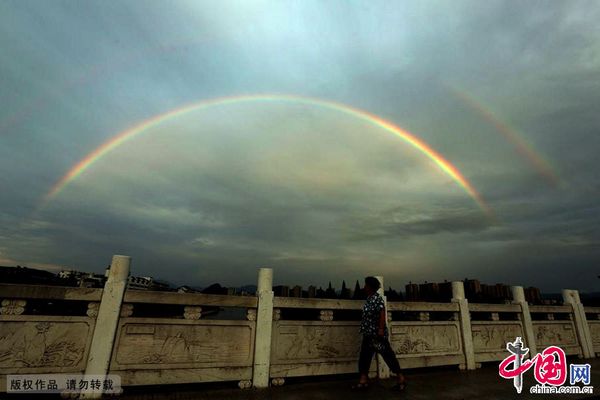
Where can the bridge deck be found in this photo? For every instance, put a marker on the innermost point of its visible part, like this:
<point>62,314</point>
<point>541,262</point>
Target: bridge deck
<point>448,384</point>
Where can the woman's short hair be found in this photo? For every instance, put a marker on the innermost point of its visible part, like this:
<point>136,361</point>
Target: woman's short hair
<point>372,282</point>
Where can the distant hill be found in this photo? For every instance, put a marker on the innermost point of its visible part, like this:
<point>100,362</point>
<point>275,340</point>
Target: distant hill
<point>31,276</point>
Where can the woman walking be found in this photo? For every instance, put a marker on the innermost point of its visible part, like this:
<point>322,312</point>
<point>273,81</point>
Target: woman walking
<point>374,330</point>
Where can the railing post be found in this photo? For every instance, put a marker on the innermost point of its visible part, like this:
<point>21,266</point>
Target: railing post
<point>518,295</point>
<point>107,320</point>
<point>383,371</point>
<point>264,328</point>
<point>583,329</point>
<point>458,296</point>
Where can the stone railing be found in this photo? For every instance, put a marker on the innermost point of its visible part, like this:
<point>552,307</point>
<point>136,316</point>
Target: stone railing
<point>38,340</point>
<point>168,338</point>
<point>183,346</point>
<point>313,341</point>
<point>593,318</point>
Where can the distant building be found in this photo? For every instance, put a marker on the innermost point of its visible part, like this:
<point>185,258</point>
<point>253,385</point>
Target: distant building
<point>187,289</point>
<point>504,291</point>
<point>497,293</point>
<point>475,292</point>
<point>412,292</point>
<point>92,280</point>
<point>533,295</point>
<point>247,290</point>
<point>472,288</point>
<point>281,291</point>
<point>83,279</point>
<point>445,291</point>
<point>231,291</point>
<point>296,291</point>
<point>66,274</point>
<point>392,295</point>
<point>311,292</point>
<point>429,291</point>
<point>138,283</point>
<point>551,299</point>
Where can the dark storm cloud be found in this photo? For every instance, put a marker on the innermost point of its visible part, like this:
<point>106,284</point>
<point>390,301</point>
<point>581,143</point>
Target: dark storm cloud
<point>299,189</point>
<point>402,221</point>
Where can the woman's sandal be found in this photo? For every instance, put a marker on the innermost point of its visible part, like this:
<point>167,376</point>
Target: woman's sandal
<point>360,386</point>
<point>398,387</point>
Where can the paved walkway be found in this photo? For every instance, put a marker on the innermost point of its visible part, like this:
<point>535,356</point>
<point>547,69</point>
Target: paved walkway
<point>448,384</point>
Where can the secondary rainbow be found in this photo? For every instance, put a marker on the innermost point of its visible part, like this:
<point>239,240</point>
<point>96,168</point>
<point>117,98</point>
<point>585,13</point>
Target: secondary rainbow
<point>510,134</point>
<point>127,135</point>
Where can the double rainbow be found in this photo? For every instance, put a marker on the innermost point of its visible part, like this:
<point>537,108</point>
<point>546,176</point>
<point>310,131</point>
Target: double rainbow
<point>537,161</point>
<point>129,134</point>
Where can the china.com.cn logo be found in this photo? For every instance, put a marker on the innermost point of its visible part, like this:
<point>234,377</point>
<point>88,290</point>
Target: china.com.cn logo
<point>549,370</point>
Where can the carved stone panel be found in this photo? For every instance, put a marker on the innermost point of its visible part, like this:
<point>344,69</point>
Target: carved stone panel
<point>308,341</point>
<point>126,310</point>
<point>326,315</point>
<point>276,314</point>
<point>554,334</point>
<point>190,312</point>
<point>595,331</point>
<point>148,345</point>
<point>426,339</point>
<point>93,308</point>
<point>493,337</point>
<point>43,345</point>
<point>12,307</point>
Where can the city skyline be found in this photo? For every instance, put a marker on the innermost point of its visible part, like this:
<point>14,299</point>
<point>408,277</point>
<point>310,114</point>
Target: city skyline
<point>423,291</point>
<point>420,141</point>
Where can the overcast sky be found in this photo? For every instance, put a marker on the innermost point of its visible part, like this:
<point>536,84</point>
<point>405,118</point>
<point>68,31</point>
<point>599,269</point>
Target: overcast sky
<point>318,195</point>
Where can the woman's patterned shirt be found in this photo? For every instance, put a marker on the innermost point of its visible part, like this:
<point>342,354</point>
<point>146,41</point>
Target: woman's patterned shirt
<point>370,315</point>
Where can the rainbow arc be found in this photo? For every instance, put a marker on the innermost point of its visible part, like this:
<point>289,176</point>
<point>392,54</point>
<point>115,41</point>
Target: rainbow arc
<point>125,136</point>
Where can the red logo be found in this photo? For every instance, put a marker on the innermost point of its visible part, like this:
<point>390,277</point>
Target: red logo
<point>550,366</point>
